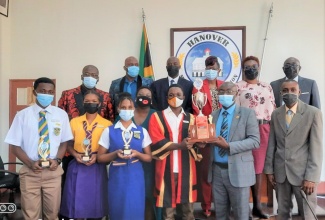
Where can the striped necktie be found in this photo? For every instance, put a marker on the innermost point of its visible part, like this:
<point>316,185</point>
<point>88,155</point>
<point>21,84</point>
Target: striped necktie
<point>224,132</point>
<point>172,82</point>
<point>89,134</point>
<point>44,140</point>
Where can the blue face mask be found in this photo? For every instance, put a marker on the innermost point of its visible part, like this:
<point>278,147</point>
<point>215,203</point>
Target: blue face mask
<point>211,74</point>
<point>44,99</point>
<point>133,71</point>
<point>126,115</point>
<point>226,100</point>
<point>89,82</point>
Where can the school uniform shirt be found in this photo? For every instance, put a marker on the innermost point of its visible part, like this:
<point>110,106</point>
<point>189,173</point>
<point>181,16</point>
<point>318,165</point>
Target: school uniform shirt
<point>79,133</point>
<point>104,139</point>
<point>24,130</point>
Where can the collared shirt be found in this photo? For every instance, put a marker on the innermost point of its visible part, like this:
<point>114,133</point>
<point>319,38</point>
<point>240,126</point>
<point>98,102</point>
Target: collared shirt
<point>175,80</point>
<point>133,86</point>
<point>174,122</point>
<point>104,139</point>
<point>293,109</point>
<point>80,134</point>
<point>24,130</point>
<point>231,110</point>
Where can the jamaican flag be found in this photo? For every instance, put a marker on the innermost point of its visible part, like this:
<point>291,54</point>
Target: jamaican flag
<point>145,63</point>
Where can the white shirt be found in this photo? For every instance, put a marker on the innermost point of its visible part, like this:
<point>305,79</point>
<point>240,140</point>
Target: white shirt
<point>104,139</point>
<point>175,80</point>
<point>174,123</point>
<point>24,130</point>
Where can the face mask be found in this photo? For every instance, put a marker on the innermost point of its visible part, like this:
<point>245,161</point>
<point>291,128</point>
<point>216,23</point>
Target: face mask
<point>290,99</point>
<point>291,72</point>
<point>89,82</point>
<point>251,73</point>
<point>172,71</point>
<point>175,102</point>
<point>126,115</point>
<point>44,99</point>
<point>211,74</point>
<point>143,101</point>
<point>91,108</point>
<point>226,100</point>
<point>133,71</point>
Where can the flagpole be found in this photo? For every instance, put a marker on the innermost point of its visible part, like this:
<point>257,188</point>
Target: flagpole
<point>144,23</point>
<point>265,39</point>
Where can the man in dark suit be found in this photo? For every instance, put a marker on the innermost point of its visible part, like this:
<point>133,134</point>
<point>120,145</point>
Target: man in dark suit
<point>294,155</point>
<point>128,83</point>
<point>160,87</point>
<point>309,90</point>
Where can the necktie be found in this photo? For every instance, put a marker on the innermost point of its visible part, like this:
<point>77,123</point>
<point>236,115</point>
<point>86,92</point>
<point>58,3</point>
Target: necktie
<point>44,140</point>
<point>172,82</point>
<point>128,88</point>
<point>289,116</point>
<point>224,132</point>
<point>89,134</point>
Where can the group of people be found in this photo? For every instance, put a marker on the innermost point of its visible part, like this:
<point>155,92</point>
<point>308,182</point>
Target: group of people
<point>140,129</point>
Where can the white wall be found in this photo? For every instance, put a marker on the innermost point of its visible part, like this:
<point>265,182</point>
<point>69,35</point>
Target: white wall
<point>57,38</point>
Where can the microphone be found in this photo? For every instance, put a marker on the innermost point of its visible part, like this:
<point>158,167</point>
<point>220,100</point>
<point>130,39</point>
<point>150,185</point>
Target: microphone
<point>303,194</point>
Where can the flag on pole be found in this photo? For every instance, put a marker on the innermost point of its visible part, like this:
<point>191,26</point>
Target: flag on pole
<point>145,64</point>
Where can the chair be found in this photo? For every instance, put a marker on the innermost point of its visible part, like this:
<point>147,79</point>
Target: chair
<point>10,181</point>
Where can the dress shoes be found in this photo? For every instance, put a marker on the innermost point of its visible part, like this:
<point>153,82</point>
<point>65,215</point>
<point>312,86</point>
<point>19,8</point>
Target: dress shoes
<point>258,213</point>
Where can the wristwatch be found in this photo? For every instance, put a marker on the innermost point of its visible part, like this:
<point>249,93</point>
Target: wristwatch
<point>59,160</point>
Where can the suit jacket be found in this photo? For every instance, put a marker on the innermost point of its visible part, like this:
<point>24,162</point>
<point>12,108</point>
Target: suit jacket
<point>207,109</point>
<point>308,87</point>
<point>159,94</point>
<point>71,101</point>
<point>295,153</point>
<point>117,87</point>
<point>244,136</point>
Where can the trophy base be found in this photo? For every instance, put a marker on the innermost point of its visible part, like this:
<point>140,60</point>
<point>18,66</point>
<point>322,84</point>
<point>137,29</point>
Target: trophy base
<point>205,140</point>
<point>45,163</point>
<point>85,158</point>
<point>127,152</point>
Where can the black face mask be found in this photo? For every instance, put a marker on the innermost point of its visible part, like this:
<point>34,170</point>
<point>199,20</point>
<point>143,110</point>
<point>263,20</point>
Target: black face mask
<point>251,73</point>
<point>172,71</point>
<point>289,99</point>
<point>291,72</point>
<point>91,108</point>
<point>143,101</point>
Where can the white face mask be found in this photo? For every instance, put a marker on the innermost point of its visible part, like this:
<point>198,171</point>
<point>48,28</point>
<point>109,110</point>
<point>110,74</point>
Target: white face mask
<point>126,115</point>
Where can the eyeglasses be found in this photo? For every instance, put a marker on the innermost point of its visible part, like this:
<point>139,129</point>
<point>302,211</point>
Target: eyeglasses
<point>227,92</point>
<point>288,65</point>
<point>95,75</point>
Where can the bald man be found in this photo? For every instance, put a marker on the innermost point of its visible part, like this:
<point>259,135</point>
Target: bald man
<point>130,82</point>
<point>160,87</point>
<point>309,90</point>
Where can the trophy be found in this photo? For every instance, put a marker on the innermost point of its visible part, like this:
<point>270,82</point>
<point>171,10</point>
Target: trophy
<point>44,152</point>
<point>203,129</point>
<point>127,137</point>
<point>85,145</point>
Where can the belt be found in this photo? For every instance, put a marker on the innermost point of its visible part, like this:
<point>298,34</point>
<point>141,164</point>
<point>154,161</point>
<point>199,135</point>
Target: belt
<point>262,121</point>
<point>221,165</point>
<point>116,163</point>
